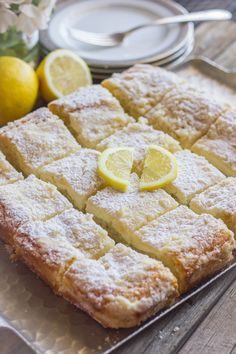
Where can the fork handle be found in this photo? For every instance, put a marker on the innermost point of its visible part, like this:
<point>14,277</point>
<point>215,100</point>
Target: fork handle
<point>210,15</point>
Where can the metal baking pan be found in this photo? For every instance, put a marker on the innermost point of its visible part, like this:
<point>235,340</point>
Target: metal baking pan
<point>47,323</point>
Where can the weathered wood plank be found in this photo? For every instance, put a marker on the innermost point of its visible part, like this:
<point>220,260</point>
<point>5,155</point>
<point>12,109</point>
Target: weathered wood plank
<point>227,58</point>
<point>217,333</point>
<point>212,39</point>
<point>171,332</point>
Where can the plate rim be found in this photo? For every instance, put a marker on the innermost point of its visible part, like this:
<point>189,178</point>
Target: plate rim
<point>48,44</point>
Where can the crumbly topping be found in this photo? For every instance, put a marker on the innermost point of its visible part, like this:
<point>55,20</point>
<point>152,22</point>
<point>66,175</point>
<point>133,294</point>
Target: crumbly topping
<point>141,87</point>
<point>133,208</point>
<point>37,139</point>
<point>123,278</point>
<point>181,231</point>
<point>30,199</point>
<point>139,136</point>
<point>185,113</point>
<point>7,172</point>
<point>50,257</point>
<point>76,173</point>
<point>219,144</point>
<point>73,227</point>
<point>92,113</point>
<point>218,200</point>
<point>91,96</point>
<point>195,174</point>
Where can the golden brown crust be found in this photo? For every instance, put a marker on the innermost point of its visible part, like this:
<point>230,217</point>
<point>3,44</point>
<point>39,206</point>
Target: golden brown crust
<point>122,289</point>
<point>192,246</point>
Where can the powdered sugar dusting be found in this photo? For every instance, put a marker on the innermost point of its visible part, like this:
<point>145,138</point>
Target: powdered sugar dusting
<point>141,87</point>
<point>36,140</point>
<point>7,172</point>
<point>219,201</point>
<point>72,227</point>
<point>195,174</point>
<point>30,199</point>
<point>76,175</point>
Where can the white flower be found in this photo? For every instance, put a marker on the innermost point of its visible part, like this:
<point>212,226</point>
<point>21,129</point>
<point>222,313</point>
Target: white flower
<point>7,18</point>
<point>32,18</point>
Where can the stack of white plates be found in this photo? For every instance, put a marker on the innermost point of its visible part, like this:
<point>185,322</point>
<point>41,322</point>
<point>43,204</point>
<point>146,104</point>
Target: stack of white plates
<point>160,45</point>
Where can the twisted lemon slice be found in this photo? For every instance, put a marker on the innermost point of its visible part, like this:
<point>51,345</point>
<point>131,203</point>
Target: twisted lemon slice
<point>160,168</point>
<point>115,165</point>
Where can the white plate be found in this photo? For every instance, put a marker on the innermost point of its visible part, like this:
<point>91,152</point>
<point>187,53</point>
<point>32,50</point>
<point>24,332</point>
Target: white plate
<point>150,44</point>
<point>172,62</point>
<point>110,70</point>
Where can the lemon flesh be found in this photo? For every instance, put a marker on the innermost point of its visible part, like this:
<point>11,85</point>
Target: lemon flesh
<point>115,165</point>
<point>61,73</point>
<point>18,89</point>
<point>160,168</point>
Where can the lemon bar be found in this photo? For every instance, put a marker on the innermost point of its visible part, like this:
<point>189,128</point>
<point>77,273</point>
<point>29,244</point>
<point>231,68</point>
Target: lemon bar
<point>141,87</point>
<point>30,199</point>
<point>139,136</point>
<point>121,289</point>
<point>47,257</point>
<point>91,113</point>
<point>123,213</point>
<point>7,172</point>
<point>76,176</point>
<point>36,140</point>
<point>219,201</point>
<point>195,174</point>
<point>185,113</point>
<point>49,247</point>
<point>193,246</point>
<point>219,144</point>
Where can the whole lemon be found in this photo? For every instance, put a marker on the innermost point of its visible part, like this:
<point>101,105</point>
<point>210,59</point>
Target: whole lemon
<point>18,88</point>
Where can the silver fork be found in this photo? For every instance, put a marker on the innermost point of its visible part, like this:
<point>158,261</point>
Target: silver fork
<point>114,39</point>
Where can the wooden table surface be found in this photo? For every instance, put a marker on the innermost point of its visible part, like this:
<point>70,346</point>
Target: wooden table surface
<point>207,323</point>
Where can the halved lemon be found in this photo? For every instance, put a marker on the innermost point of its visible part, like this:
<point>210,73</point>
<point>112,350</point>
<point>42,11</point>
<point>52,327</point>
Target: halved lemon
<point>160,168</point>
<point>115,165</point>
<point>61,73</point>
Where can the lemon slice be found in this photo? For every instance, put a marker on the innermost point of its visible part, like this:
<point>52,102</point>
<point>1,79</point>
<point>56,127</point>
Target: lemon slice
<point>115,165</point>
<point>61,73</point>
<point>160,168</point>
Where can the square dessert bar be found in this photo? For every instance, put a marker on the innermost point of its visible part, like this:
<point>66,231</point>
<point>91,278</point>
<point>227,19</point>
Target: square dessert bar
<point>91,113</point>
<point>123,213</point>
<point>219,201</point>
<point>141,87</point>
<point>193,246</point>
<point>30,199</point>
<point>139,136</point>
<point>185,113</point>
<point>121,289</point>
<point>76,176</point>
<point>7,172</point>
<point>195,174</point>
<point>219,144</point>
<point>50,247</point>
<point>36,140</point>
